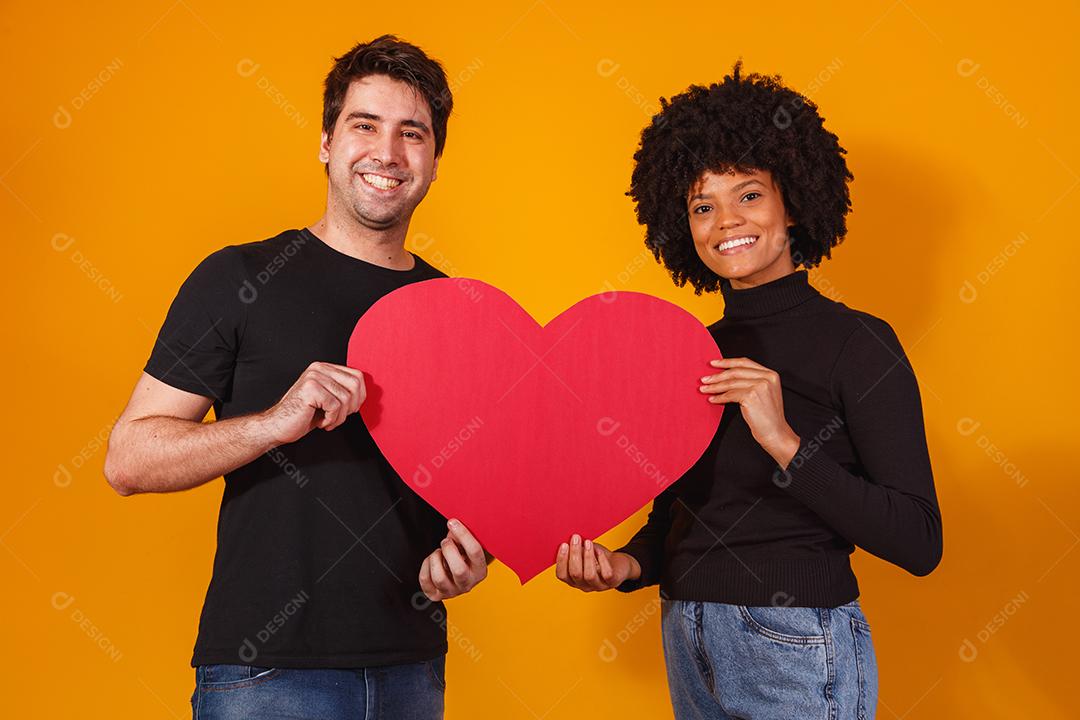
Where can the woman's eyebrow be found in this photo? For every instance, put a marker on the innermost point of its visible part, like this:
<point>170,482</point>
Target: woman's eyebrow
<point>734,188</point>
<point>744,183</point>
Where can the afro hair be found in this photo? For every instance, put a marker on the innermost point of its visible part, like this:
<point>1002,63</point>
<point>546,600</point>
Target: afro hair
<point>741,123</point>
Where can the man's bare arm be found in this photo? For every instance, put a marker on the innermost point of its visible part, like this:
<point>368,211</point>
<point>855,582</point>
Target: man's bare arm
<point>160,444</point>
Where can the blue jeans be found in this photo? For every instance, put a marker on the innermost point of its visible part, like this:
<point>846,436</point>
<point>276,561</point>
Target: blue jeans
<point>769,663</point>
<point>237,692</point>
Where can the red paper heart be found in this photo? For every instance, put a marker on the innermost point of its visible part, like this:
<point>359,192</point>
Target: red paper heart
<point>528,434</point>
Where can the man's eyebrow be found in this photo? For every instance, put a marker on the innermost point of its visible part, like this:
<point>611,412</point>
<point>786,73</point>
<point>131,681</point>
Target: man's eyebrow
<point>735,188</point>
<point>361,115</point>
<point>416,124</point>
<point>364,115</point>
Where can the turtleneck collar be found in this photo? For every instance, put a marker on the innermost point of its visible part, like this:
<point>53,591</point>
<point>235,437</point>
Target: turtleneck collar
<point>773,297</point>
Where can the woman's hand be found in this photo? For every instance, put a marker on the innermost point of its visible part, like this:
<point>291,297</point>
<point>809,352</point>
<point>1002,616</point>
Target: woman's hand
<point>591,567</point>
<point>456,566</point>
<point>757,390</point>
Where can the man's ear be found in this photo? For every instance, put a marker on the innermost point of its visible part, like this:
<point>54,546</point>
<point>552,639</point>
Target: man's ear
<point>435,169</point>
<point>324,148</point>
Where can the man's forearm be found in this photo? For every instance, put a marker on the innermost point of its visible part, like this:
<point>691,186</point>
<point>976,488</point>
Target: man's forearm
<point>165,454</point>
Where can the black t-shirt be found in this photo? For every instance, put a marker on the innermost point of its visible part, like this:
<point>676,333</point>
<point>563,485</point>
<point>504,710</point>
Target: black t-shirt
<point>319,542</point>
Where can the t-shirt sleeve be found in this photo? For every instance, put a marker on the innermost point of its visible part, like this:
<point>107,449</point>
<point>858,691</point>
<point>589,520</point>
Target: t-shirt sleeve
<point>197,345</point>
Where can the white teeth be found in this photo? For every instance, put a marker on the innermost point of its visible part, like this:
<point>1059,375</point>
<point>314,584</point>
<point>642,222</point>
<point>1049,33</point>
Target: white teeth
<point>735,242</point>
<point>383,183</point>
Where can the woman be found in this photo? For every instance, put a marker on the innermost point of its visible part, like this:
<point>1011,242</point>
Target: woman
<point>739,186</point>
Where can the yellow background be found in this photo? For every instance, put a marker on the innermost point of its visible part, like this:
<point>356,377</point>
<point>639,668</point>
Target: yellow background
<point>139,137</point>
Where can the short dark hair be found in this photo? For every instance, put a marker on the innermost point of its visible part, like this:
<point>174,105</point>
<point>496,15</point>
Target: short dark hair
<point>741,123</point>
<point>389,55</point>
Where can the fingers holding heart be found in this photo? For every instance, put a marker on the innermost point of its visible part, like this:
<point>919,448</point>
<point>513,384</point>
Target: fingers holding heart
<point>584,565</point>
<point>738,378</point>
<point>455,567</point>
<point>759,393</point>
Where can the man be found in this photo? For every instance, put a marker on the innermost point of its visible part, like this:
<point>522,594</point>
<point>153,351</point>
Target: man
<point>329,572</point>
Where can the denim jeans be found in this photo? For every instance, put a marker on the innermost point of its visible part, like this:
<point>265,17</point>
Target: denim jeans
<point>769,663</point>
<point>235,692</point>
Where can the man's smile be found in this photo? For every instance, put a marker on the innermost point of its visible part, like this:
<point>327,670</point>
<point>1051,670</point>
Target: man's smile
<point>380,182</point>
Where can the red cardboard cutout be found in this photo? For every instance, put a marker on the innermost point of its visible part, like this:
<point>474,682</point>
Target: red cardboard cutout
<point>529,434</point>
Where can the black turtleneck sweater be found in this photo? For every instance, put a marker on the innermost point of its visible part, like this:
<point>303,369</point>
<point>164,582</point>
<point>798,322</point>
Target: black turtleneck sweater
<point>739,529</point>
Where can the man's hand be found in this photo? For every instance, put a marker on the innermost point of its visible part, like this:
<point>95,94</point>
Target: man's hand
<point>591,567</point>
<point>323,397</point>
<point>455,567</point>
<point>159,443</point>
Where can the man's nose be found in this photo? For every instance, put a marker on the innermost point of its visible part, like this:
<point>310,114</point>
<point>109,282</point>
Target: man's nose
<point>387,149</point>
